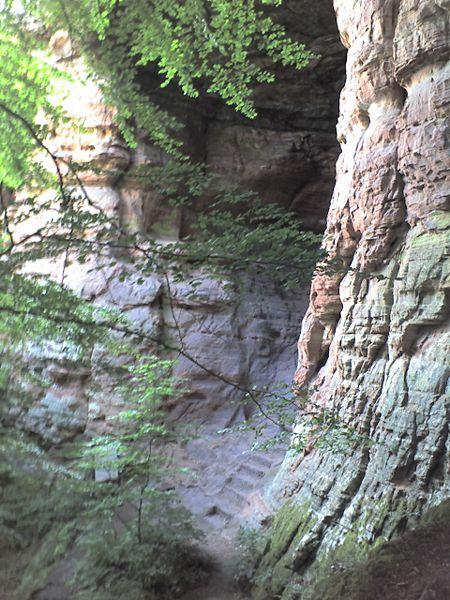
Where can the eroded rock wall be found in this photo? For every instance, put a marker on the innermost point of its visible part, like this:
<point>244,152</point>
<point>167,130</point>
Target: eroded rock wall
<point>287,155</point>
<point>375,341</point>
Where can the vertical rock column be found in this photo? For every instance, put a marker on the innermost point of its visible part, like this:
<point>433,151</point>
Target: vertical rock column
<point>77,391</point>
<point>375,341</point>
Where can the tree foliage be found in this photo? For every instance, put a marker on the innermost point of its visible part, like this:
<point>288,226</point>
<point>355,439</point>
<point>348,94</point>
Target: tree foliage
<point>212,45</point>
<point>132,537</point>
<point>26,82</point>
<point>218,47</point>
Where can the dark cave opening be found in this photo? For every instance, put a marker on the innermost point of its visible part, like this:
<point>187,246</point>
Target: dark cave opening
<point>288,153</point>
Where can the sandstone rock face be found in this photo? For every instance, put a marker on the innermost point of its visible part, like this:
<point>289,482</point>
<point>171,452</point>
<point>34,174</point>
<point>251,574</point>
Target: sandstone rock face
<point>375,340</point>
<point>287,154</point>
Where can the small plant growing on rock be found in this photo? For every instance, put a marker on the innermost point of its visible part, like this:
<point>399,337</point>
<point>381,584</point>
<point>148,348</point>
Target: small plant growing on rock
<point>251,544</point>
<point>145,532</point>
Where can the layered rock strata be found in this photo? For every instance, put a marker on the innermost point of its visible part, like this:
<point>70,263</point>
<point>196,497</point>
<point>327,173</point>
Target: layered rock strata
<point>375,341</point>
<point>287,154</point>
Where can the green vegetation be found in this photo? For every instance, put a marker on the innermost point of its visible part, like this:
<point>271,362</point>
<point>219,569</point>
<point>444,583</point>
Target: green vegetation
<point>356,571</point>
<point>116,39</point>
<point>26,83</point>
<point>355,568</point>
<point>348,556</point>
<point>126,533</point>
<point>205,46</point>
<point>251,545</point>
<point>266,555</point>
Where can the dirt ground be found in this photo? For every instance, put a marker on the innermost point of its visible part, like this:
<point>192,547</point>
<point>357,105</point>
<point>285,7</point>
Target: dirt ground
<point>415,566</point>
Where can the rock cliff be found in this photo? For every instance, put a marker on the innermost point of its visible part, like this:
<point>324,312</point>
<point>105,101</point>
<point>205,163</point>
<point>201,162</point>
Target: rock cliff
<point>374,345</point>
<point>375,339</point>
<point>287,155</point>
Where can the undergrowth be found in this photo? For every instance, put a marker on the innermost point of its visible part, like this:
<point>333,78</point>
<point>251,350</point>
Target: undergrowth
<point>123,535</point>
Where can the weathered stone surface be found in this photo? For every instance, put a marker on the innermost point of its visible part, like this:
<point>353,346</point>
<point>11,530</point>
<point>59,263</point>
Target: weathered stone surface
<point>245,338</point>
<point>375,340</point>
<point>287,154</point>
<point>58,416</point>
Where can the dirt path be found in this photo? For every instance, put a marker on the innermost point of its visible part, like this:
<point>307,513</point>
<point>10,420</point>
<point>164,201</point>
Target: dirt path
<point>225,491</point>
<point>221,584</point>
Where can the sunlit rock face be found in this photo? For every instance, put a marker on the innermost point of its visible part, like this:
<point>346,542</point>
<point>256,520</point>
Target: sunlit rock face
<point>375,340</point>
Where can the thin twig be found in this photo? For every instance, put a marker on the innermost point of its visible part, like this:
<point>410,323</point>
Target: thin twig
<point>40,143</point>
<point>65,319</point>
<point>6,223</point>
<point>172,310</point>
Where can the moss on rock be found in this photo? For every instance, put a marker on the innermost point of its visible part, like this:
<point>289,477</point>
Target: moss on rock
<point>401,569</point>
<point>290,524</point>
